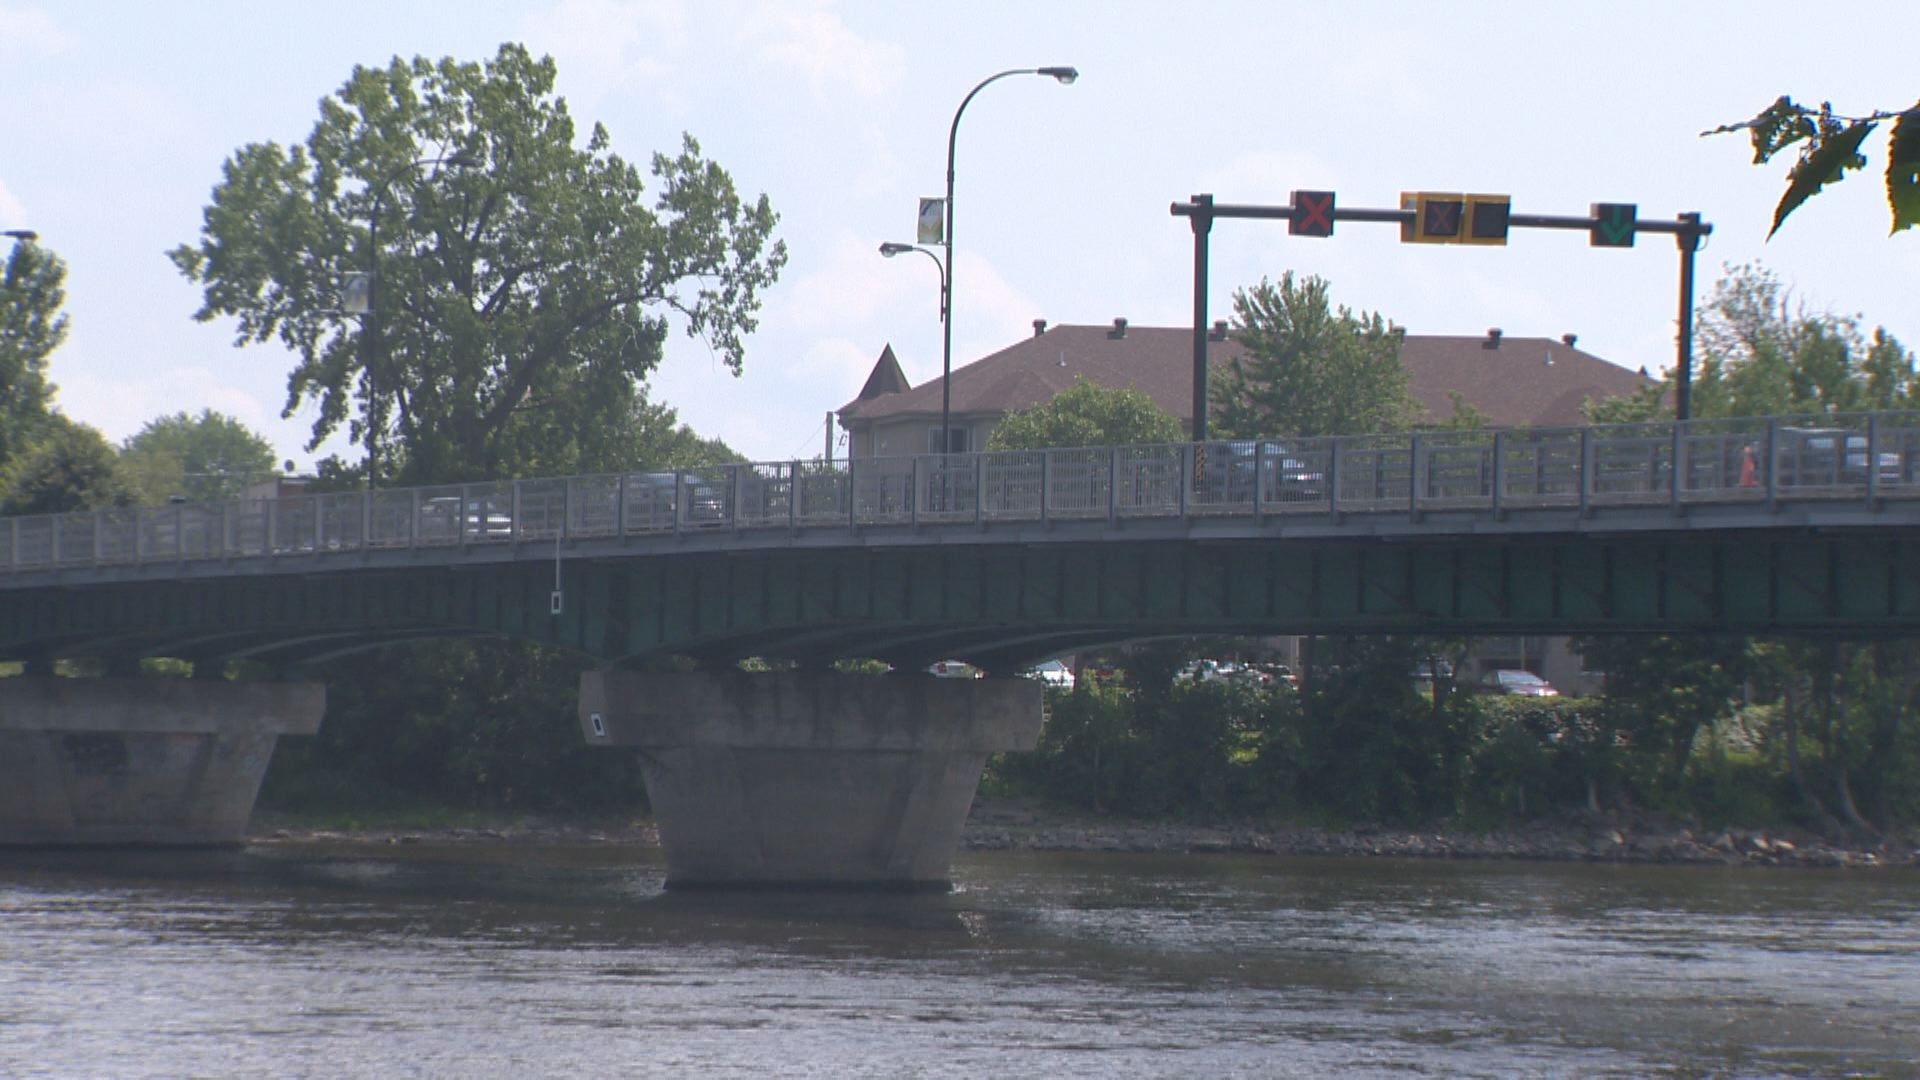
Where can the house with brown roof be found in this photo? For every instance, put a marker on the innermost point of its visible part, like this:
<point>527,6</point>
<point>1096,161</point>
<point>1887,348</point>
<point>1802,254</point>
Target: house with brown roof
<point>1512,381</point>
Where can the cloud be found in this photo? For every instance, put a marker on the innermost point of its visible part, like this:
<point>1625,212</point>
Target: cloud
<point>820,46</point>
<point>123,404</point>
<point>610,45</point>
<point>29,29</point>
<point>853,285</point>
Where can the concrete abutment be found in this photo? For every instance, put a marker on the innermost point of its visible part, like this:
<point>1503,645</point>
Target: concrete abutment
<point>140,761</point>
<point>809,779</point>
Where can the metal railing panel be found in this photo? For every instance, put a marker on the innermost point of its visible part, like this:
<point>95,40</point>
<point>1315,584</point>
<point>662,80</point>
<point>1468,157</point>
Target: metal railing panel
<point>826,492</point>
<point>1456,470</point>
<point>117,536</point>
<point>765,495</point>
<point>74,541</point>
<point>883,492</point>
<point>1867,457</point>
<point>947,489</point>
<point>1540,468</point>
<point>1632,464</point>
<point>1011,483</point>
<point>539,509</point>
<point>1375,473</point>
<point>593,506</point>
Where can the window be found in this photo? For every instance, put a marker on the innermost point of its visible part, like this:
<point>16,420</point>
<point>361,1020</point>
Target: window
<point>959,440</point>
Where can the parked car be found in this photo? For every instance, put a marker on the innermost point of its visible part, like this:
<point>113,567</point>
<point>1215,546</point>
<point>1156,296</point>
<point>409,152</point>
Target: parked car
<point>650,501</point>
<point>1807,457</point>
<point>1053,673</point>
<point>1279,673</point>
<point>1426,671</point>
<point>440,519</point>
<point>1516,683</point>
<point>954,669</point>
<point>1228,474</point>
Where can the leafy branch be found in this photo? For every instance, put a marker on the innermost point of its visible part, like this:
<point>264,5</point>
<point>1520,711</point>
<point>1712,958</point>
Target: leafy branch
<point>1829,146</point>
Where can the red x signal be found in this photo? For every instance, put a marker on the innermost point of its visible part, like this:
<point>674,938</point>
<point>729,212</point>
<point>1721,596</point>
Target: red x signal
<point>1312,214</point>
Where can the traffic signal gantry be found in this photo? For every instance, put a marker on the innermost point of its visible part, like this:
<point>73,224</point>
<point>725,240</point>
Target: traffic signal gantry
<point>1430,217</point>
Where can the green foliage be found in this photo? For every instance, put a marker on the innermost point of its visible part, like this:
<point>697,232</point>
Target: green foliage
<point>478,724</point>
<point>1308,368</point>
<point>1766,354</point>
<point>1465,417</point>
<point>71,467</point>
<point>520,299</point>
<point>1662,692</point>
<point>205,458</point>
<point>1645,405</point>
<point>651,437</point>
<point>1829,146</point>
<point>1087,414</point>
<point>32,326</point>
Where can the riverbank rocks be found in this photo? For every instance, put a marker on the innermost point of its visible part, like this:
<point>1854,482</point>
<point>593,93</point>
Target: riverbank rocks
<point>1020,825</point>
<point>1026,825</point>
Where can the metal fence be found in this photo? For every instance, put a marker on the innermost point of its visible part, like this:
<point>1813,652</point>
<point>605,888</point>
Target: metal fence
<point>1868,457</point>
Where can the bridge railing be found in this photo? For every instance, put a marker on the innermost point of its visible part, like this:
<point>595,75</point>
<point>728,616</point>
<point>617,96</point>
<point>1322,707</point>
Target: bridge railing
<point>1766,461</point>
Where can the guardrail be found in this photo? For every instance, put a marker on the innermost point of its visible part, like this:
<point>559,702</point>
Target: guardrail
<point>1772,461</point>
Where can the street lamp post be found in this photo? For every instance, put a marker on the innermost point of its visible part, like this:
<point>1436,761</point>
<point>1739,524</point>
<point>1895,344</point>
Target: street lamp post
<point>891,249</point>
<point>1064,75</point>
<point>372,344</point>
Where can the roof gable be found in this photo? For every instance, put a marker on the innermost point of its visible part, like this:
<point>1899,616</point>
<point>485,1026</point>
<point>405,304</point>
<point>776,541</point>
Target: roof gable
<point>1512,381</point>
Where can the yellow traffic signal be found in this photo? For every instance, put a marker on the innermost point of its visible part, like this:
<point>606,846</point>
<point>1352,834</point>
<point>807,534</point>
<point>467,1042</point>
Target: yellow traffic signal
<point>1450,217</point>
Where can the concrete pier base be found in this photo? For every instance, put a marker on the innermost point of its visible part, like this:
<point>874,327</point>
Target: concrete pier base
<point>809,779</point>
<point>140,761</point>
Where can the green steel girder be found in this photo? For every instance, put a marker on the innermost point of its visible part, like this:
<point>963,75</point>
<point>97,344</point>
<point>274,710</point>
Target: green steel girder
<point>909,603</point>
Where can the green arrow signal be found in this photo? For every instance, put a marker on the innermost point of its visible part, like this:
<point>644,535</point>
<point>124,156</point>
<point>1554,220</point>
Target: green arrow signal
<point>1614,224</point>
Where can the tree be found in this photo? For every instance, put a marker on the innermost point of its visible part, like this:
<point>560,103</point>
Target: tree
<point>524,285</point>
<point>208,458</point>
<point>653,438</point>
<point>1829,146</point>
<point>1309,369</point>
<point>1766,354</point>
<point>32,326</point>
<point>1087,414</point>
<point>71,467</point>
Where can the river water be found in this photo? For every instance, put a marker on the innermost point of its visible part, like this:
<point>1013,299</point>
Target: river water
<point>364,960</point>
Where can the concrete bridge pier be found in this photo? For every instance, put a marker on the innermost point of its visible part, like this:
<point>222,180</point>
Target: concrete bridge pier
<point>140,761</point>
<point>809,779</point>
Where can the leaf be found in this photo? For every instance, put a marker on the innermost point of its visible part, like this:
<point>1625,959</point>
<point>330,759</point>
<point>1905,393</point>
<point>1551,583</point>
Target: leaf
<point>1825,161</point>
<point>1903,170</point>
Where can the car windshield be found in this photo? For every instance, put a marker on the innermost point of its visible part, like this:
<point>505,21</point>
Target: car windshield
<point>1521,678</point>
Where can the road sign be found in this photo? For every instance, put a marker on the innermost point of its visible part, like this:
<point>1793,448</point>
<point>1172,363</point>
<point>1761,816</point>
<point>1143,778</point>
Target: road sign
<point>1438,217</point>
<point>1487,217</point>
<point>1312,214</point>
<point>1613,224</point>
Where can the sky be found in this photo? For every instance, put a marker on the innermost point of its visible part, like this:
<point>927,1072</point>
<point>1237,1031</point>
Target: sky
<point>119,115</point>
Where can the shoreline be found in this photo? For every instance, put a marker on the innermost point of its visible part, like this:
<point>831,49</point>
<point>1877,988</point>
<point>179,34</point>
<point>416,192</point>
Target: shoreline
<point>1007,824</point>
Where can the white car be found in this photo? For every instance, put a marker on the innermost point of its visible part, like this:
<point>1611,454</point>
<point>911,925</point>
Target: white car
<point>1053,673</point>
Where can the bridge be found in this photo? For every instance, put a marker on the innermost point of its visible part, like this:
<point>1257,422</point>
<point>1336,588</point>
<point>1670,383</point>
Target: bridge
<point>1771,525</point>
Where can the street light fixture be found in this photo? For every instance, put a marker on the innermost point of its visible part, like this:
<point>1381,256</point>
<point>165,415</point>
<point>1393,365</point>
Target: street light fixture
<point>1063,75</point>
<point>22,234</point>
<point>891,249</point>
<point>371,334</point>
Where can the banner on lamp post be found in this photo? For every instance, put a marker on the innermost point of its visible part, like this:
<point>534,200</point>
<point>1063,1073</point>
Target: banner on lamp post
<point>933,221</point>
<point>356,293</point>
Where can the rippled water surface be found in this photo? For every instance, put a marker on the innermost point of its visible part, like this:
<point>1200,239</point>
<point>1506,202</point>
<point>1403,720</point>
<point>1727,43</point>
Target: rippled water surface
<point>304,960</point>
